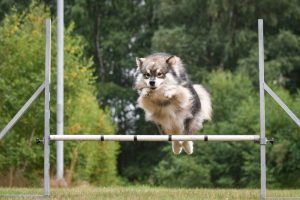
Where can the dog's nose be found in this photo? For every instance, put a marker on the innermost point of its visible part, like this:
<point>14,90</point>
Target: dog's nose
<point>152,83</point>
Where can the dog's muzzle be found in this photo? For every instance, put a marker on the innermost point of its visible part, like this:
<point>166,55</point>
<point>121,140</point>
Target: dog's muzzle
<point>152,83</point>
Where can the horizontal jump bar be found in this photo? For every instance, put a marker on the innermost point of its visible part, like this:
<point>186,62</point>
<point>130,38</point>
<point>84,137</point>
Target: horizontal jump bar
<point>153,138</point>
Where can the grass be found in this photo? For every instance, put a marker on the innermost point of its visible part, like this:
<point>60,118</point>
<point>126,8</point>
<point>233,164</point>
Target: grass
<point>147,193</point>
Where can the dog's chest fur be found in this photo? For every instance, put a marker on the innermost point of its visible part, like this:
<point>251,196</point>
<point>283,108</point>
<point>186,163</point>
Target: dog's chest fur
<point>168,112</point>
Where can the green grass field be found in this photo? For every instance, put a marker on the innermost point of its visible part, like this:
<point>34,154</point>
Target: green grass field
<point>148,193</point>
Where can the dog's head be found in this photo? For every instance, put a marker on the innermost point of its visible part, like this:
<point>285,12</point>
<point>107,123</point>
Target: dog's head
<point>156,70</point>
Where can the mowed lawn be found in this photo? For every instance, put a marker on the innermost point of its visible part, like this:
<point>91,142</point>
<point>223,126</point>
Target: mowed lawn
<point>148,193</point>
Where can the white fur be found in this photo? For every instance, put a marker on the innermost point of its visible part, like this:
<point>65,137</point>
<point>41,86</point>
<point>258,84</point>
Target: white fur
<point>170,104</point>
<point>188,147</point>
<point>172,116</point>
<point>206,107</point>
<point>177,147</point>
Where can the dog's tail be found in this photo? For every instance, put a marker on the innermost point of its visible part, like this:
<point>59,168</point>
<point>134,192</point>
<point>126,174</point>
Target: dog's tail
<point>206,106</point>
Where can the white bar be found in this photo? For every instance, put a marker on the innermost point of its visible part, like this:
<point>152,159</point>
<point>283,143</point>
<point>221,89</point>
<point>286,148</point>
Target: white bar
<point>282,104</point>
<point>152,138</point>
<point>60,90</point>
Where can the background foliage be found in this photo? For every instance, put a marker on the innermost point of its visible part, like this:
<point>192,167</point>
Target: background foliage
<point>22,71</point>
<point>217,40</point>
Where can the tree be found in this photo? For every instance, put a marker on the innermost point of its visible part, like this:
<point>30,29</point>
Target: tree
<point>220,34</point>
<point>117,32</point>
<point>217,41</point>
<point>22,68</point>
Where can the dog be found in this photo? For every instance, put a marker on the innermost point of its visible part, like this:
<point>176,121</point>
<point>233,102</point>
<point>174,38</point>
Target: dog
<point>169,98</point>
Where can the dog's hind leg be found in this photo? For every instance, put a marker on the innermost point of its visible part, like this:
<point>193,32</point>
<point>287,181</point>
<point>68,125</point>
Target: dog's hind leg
<point>177,147</point>
<point>188,147</point>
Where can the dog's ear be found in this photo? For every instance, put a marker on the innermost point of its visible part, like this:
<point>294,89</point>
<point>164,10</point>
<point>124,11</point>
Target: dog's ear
<point>139,62</point>
<point>172,60</point>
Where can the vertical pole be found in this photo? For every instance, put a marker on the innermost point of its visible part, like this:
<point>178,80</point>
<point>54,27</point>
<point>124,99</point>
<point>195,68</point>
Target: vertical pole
<point>60,92</point>
<point>47,110</point>
<point>262,110</point>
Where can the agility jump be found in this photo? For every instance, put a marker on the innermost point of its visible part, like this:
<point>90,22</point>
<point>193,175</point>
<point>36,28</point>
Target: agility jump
<point>260,139</point>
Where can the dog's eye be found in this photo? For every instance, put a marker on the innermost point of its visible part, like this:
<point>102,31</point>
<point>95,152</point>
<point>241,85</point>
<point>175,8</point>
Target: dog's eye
<point>160,75</point>
<point>147,75</point>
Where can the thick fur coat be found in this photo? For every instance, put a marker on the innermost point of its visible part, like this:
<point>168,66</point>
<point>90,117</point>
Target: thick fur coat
<point>169,98</point>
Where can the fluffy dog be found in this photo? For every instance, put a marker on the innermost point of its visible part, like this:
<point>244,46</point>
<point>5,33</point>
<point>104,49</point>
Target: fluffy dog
<point>169,98</point>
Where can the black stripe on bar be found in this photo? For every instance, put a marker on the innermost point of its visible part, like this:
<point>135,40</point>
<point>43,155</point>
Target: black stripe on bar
<point>205,138</point>
<point>135,138</point>
<point>102,138</point>
<point>170,138</point>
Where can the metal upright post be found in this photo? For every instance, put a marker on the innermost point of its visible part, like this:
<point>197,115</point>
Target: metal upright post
<point>47,110</point>
<point>60,91</point>
<point>263,140</point>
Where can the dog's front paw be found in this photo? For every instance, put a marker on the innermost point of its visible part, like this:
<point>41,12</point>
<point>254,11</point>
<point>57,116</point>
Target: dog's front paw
<point>145,92</point>
<point>170,93</point>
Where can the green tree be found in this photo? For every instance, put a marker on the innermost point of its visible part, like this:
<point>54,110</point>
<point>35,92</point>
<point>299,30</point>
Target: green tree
<point>217,41</point>
<point>117,32</point>
<point>22,71</point>
<point>218,34</point>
